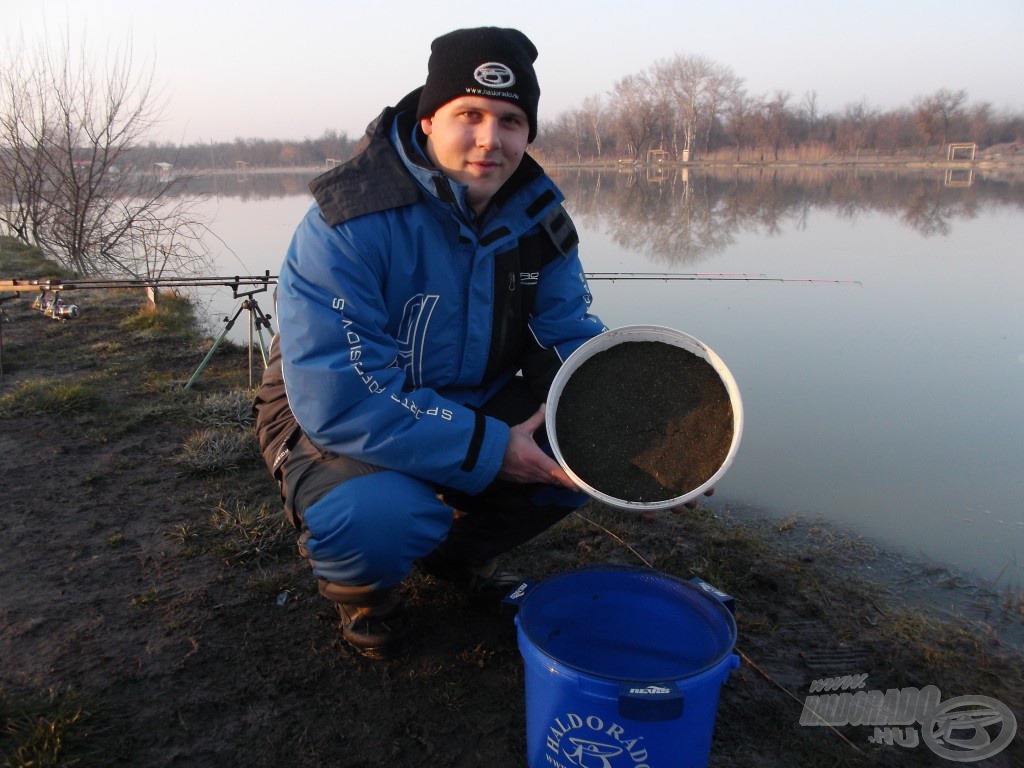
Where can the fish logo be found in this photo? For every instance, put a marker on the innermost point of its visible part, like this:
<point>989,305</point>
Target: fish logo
<point>592,754</point>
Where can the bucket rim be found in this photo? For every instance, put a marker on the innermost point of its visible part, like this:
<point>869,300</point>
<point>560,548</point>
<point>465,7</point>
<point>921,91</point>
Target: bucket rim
<point>643,332</point>
<point>720,658</point>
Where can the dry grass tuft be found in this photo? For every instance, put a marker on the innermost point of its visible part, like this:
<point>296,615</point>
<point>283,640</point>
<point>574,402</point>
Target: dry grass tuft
<point>42,397</point>
<point>225,409</point>
<point>220,449</point>
<point>249,535</point>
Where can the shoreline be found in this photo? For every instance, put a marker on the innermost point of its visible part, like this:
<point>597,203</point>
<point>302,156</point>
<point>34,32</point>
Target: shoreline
<point>1015,162</point>
<point>938,588</point>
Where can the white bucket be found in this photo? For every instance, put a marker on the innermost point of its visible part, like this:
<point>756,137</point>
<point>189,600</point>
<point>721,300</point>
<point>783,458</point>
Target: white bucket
<point>643,333</point>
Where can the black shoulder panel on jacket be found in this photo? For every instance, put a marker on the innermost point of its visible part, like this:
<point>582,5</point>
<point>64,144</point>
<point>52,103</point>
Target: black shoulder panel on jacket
<point>561,230</point>
<point>373,180</point>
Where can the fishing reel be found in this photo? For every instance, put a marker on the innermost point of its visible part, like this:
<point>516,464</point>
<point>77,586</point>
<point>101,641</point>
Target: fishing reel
<point>55,308</point>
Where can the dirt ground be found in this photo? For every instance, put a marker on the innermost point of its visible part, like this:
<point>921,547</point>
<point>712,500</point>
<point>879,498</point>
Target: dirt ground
<point>194,642</point>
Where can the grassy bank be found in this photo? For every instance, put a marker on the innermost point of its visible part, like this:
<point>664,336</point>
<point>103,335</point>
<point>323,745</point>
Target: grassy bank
<point>156,612</point>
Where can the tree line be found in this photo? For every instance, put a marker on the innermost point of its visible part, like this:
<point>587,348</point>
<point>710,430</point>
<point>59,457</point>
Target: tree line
<point>248,153</point>
<point>690,108</point>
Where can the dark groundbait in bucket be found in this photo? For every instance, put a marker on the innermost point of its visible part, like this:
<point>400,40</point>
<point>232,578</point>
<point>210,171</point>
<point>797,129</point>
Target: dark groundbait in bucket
<point>644,421</point>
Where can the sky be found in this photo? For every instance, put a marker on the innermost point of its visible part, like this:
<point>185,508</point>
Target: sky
<point>292,69</point>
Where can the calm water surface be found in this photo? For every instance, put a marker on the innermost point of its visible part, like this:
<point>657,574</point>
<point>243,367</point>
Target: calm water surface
<point>893,406</point>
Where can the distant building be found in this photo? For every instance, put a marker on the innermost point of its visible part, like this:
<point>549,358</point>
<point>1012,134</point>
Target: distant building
<point>163,171</point>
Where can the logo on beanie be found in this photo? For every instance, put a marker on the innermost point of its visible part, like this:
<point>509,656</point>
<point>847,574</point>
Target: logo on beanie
<point>494,75</point>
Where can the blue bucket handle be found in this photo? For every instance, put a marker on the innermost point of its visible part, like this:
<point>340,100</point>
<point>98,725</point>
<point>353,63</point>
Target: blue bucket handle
<point>511,602</point>
<point>650,702</point>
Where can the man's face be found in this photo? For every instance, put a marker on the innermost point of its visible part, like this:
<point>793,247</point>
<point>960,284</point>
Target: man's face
<point>478,142</point>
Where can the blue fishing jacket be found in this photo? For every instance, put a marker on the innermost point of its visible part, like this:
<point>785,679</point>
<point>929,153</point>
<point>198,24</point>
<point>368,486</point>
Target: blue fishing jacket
<point>400,312</point>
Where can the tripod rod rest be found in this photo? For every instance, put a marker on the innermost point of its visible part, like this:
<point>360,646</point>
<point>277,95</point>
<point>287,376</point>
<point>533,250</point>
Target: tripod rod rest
<point>260,318</point>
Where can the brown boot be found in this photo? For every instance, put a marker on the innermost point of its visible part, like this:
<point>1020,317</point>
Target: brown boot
<point>373,622</point>
<point>484,585</point>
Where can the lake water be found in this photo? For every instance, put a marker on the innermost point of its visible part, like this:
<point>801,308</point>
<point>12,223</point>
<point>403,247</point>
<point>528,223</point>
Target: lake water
<point>892,405</point>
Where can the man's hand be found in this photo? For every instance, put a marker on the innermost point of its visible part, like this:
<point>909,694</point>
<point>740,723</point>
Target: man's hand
<point>525,462</point>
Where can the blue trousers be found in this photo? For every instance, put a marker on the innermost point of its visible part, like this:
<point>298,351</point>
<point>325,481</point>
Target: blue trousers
<point>363,525</point>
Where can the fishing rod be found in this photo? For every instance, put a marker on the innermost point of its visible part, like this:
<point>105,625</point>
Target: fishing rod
<point>723,276</point>
<point>58,309</point>
<point>19,285</point>
<point>266,279</point>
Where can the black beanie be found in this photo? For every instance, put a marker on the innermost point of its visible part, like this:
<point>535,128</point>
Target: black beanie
<point>487,61</point>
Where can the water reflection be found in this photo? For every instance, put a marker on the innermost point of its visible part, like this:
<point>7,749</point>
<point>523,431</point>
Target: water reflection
<point>248,184</point>
<point>679,216</point>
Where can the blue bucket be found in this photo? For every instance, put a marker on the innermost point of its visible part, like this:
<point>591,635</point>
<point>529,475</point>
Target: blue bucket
<point>623,668</point>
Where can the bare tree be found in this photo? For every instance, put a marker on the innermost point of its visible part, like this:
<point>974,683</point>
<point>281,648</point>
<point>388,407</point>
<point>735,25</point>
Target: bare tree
<point>855,127</point>
<point>740,113</point>
<point>722,85</point>
<point>809,108</point>
<point>24,126</point>
<point>636,113</point>
<point>696,88</point>
<point>593,112</point>
<point>169,238</point>
<point>809,116</point>
<point>572,125</point>
<point>936,113</point>
<point>980,118</point>
<point>774,124</point>
<point>69,133</point>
